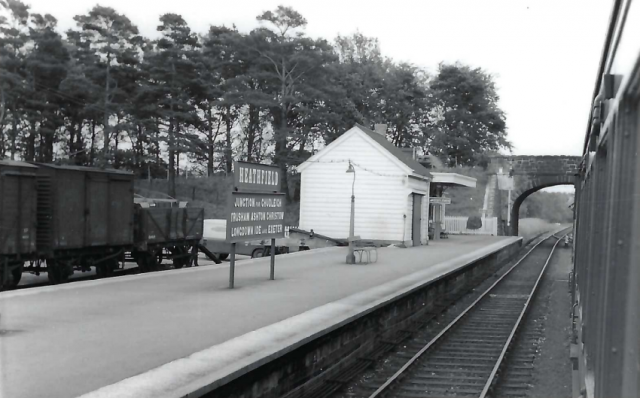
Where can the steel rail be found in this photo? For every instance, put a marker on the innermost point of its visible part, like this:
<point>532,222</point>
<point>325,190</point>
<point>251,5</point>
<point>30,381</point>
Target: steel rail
<point>444,331</point>
<point>515,328</point>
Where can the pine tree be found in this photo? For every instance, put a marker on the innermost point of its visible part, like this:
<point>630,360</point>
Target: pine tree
<point>110,36</point>
<point>46,67</point>
<point>14,36</point>
<point>173,76</point>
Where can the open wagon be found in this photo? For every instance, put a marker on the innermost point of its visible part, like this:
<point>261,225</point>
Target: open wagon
<point>166,228</point>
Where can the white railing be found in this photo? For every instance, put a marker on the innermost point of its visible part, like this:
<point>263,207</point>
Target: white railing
<point>458,225</point>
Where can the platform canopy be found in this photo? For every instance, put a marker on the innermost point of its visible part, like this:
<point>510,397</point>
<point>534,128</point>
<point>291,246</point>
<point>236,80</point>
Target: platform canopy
<point>453,179</point>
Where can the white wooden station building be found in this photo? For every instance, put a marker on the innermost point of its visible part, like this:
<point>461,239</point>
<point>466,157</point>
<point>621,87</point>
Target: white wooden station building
<point>391,189</point>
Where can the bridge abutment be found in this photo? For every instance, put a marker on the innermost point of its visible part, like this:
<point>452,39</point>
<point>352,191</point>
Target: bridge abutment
<point>530,174</point>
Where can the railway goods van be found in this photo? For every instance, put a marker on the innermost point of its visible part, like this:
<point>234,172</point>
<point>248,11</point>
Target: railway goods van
<point>84,219</point>
<point>63,218</point>
<point>82,208</point>
<point>18,200</point>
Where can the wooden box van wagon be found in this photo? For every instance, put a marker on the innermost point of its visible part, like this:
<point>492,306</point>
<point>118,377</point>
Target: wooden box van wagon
<point>60,219</point>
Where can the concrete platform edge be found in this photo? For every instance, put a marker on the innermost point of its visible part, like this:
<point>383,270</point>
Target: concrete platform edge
<point>206,370</point>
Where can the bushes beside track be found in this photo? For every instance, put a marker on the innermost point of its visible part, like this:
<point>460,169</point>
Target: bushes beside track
<point>529,228</point>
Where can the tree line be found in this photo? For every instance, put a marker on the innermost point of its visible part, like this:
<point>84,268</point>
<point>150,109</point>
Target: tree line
<point>101,94</point>
<point>551,206</point>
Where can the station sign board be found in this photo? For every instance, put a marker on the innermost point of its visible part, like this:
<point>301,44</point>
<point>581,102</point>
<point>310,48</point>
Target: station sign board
<point>255,216</point>
<point>256,209</point>
<point>252,177</point>
<point>439,200</point>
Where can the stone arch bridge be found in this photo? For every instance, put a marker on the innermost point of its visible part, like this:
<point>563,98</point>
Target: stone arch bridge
<point>529,174</point>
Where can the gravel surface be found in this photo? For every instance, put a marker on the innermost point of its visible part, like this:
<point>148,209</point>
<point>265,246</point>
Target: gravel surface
<point>552,370</point>
<point>539,366</point>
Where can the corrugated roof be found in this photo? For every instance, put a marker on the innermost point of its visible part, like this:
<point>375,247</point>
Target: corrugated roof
<point>397,152</point>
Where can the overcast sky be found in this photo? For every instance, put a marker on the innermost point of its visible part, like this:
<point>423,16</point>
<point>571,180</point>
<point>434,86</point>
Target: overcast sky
<point>544,54</point>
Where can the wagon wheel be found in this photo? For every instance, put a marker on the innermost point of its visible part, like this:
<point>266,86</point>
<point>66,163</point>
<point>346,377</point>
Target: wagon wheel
<point>101,270</point>
<point>58,271</point>
<point>13,277</point>
<point>141,260</point>
<point>180,261</point>
<point>105,269</point>
<point>223,256</point>
<point>147,262</point>
<point>16,274</point>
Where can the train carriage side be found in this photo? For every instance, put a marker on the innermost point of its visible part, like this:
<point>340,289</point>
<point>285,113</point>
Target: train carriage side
<point>17,219</point>
<point>606,280</point>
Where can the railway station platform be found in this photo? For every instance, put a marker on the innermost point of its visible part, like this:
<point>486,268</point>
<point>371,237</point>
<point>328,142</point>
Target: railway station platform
<point>171,333</point>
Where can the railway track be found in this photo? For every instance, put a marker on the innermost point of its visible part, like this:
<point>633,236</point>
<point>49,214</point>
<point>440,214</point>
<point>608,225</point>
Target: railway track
<point>463,353</point>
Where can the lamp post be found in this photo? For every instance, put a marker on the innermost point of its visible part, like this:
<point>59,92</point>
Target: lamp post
<point>351,258</point>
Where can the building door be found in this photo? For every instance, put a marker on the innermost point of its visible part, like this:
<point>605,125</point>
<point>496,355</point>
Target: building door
<point>417,219</point>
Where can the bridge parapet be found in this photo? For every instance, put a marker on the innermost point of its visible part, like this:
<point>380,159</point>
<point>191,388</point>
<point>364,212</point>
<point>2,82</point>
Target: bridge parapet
<point>536,165</point>
<point>530,174</point>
